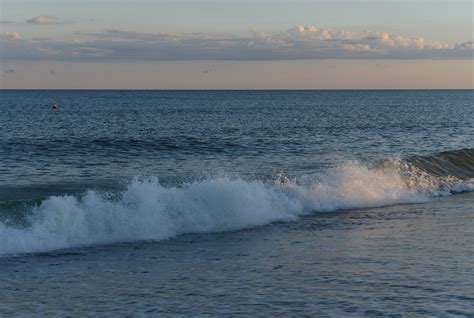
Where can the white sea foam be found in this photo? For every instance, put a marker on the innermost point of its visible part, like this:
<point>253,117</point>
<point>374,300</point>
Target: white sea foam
<point>147,210</point>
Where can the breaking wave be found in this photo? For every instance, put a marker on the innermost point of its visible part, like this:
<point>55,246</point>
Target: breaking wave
<point>148,210</point>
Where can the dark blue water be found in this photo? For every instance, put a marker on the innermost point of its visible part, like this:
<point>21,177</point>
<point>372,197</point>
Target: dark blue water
<point>342,194</point>
<point>110,135</point>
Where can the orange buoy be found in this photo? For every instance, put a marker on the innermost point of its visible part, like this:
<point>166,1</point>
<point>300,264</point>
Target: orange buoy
<point>55,106</point>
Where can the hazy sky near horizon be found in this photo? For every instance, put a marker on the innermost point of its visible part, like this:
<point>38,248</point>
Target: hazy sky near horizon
<point>236,44</point>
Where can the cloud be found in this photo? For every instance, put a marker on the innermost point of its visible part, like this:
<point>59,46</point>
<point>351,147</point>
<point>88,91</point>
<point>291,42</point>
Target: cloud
<point>300,42</point>
<point>10,36</point>
<point>44,19</point>
<point>468,45</point>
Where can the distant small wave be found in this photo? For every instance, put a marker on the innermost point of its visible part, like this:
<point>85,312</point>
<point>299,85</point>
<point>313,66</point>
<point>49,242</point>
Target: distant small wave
<point>171,144</point>
<point>148,210</point>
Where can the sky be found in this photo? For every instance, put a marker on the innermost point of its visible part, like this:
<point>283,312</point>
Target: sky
<point>230,44</point>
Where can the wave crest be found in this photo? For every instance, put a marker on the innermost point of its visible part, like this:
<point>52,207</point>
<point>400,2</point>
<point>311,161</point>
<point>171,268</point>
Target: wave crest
<point>147,210</point>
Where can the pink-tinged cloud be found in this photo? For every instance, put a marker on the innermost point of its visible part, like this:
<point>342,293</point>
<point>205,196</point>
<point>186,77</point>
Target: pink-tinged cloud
<point>44,19</point>
<point>300,42</point>
<point>11,36</point>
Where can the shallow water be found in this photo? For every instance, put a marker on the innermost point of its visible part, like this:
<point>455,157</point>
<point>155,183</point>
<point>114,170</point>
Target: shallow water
<point>255,203</point>
<point>408,260</point>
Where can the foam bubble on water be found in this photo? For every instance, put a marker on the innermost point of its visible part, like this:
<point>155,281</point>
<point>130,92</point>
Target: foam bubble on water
<point>147,210</point>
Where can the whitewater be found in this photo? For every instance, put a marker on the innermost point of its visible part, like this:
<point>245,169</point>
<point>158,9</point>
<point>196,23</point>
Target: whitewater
<point>147,210</point>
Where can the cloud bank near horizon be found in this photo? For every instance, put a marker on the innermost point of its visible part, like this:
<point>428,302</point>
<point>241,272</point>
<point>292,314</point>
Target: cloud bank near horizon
<point>44,19</point>
<point>297,43</point>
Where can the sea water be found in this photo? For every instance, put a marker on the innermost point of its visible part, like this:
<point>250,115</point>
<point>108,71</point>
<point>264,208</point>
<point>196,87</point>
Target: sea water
<point>237,203</point>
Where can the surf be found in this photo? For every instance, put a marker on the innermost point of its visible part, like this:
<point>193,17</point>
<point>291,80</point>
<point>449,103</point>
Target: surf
<point>149,210</point>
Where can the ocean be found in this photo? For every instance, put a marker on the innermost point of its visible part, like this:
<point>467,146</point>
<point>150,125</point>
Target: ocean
<point>237,203</point>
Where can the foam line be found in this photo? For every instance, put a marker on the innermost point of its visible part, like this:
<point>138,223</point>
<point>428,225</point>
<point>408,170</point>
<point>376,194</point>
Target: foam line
<point>147,210</point>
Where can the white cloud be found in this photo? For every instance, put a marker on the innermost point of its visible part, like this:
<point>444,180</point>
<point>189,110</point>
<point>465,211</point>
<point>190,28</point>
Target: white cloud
<point>468,45</point>
<point>300,42</point>
<point>44,19</point>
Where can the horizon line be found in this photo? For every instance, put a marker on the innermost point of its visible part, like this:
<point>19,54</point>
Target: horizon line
<point>236,89</point>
